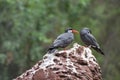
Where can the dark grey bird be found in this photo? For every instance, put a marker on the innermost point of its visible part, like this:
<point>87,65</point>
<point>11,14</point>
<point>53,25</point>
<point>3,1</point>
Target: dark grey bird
<point>89,39</point>
<point>63,40</point>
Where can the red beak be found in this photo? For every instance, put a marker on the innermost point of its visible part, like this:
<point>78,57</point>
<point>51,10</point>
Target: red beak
<point>75,31</point>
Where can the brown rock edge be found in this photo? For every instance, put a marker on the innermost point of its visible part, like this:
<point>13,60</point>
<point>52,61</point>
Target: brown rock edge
<point>77,63</point>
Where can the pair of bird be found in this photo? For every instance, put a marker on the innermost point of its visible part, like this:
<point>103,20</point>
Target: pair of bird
<point>63,40</point>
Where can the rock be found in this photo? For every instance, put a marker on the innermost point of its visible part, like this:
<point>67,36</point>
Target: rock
<point>77,63</point>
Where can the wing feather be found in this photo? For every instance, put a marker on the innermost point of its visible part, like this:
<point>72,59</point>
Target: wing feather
<point>89,39</point>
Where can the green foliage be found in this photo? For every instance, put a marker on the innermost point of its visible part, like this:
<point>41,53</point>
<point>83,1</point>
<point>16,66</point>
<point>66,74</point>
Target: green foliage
<point>28,27</point>
<point>2,58</point>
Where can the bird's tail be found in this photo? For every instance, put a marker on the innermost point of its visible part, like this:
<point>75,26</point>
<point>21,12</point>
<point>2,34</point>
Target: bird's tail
<point>98,50</point>
<point>51,49</point>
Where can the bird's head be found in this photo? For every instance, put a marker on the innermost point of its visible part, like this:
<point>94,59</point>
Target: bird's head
<point>85,31</point>
<point>71,30</point>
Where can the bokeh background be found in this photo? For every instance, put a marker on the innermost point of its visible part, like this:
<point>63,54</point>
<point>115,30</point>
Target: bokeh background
<point>28,27</point>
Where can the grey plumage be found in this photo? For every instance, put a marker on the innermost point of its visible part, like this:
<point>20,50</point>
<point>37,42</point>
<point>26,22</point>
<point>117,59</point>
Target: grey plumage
<point>62,40</point>
<point>89,39</point>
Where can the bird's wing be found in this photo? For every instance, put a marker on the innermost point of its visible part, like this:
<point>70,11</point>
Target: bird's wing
<point>63,40</point>
<point>90,40</point>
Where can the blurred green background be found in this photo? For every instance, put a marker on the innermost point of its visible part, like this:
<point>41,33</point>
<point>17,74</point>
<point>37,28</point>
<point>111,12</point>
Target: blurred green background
<point>28,27</point>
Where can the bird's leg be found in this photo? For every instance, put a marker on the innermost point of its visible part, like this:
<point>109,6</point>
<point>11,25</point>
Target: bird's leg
<point>65,49</point>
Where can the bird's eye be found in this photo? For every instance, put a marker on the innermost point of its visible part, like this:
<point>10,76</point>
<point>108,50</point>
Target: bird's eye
<point>90,31</point>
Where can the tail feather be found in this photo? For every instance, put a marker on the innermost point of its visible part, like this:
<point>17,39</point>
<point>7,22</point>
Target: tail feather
<point>98,50</point>
<point>51,49</point>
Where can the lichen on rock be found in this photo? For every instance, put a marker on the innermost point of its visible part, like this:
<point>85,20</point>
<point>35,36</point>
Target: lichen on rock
<point>76,63</point>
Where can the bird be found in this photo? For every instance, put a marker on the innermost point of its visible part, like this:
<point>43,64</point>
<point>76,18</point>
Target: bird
<point>63,40</point>
<point>90,40</point>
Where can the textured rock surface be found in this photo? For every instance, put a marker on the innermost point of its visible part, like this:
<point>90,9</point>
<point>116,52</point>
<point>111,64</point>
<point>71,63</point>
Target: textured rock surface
<point>77,63</point>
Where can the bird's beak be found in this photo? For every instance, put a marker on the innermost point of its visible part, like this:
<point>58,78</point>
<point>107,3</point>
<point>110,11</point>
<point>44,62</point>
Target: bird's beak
<point>75,31</point>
